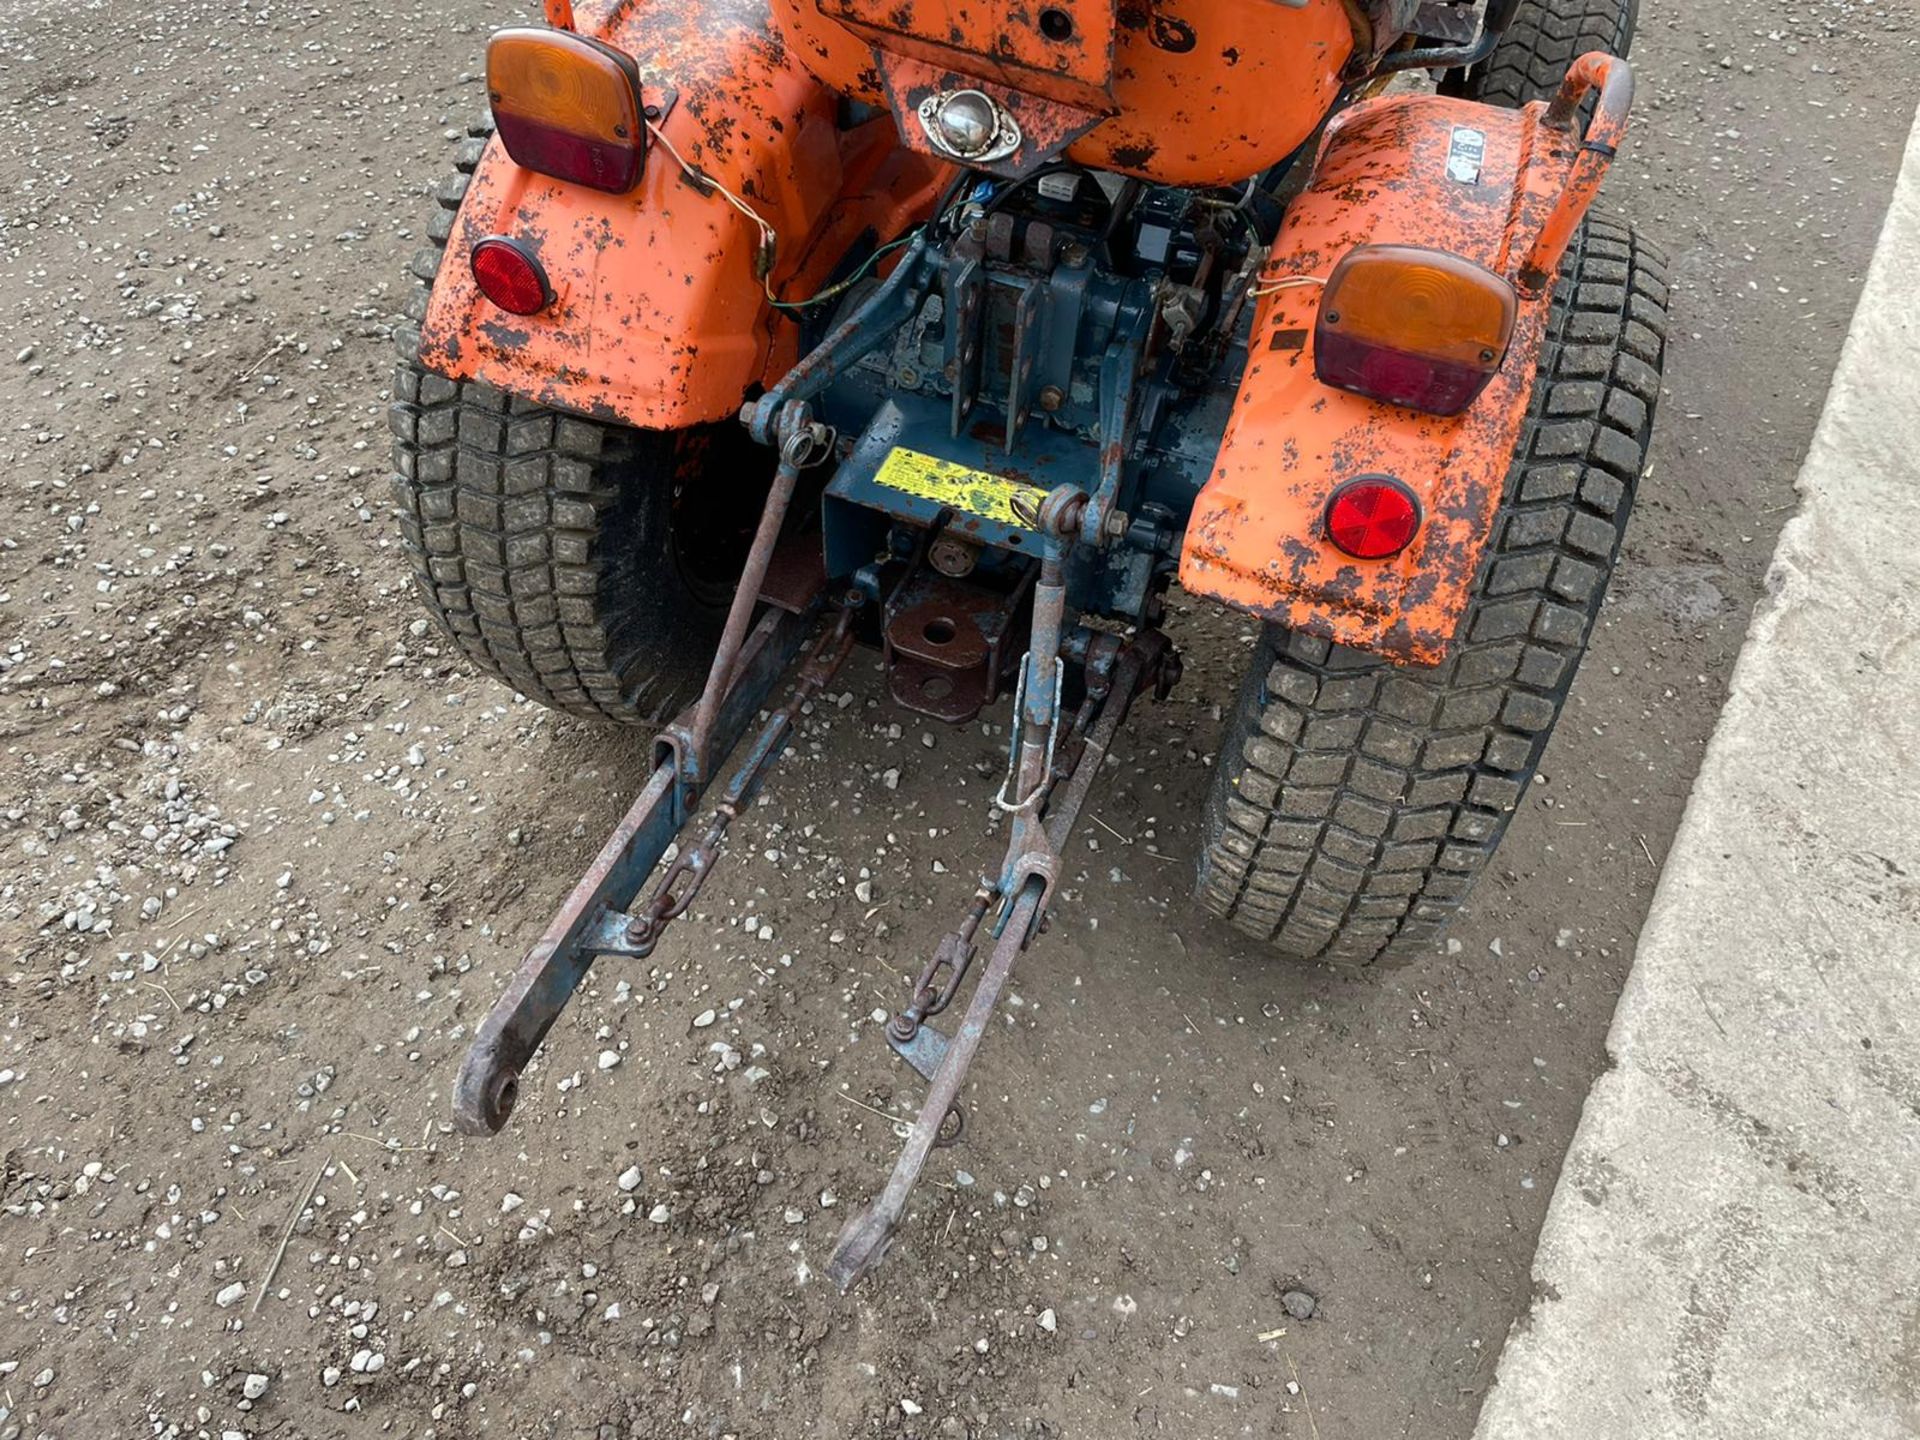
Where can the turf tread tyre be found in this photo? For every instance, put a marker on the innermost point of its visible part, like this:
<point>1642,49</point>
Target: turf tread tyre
<point>1355,801</point>
<point>536,537</point>
<point>1546,36</point>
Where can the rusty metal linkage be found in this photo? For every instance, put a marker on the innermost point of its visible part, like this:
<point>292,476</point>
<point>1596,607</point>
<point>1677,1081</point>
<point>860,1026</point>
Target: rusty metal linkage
<point>592,922</point>
<point>1051,769</point>
<point>803,442</point>
<point>689,870</point>
<point>864,1241</point>
<point>940,981</point>
<point>1044,791</point>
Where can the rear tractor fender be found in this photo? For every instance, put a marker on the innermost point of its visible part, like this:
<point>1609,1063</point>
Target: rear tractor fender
<point>1504,189</point>
<point>659,314</point>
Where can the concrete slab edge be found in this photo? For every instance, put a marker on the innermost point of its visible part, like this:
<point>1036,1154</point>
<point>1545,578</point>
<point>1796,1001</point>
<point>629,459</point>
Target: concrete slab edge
<point>1733,1247</point>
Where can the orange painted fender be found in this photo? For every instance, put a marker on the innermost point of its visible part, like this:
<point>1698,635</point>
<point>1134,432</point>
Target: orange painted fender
<point>1503,188</point>
<point>659,319</point>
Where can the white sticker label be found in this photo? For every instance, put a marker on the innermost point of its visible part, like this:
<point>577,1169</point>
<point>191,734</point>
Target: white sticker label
<point>1466,152</point>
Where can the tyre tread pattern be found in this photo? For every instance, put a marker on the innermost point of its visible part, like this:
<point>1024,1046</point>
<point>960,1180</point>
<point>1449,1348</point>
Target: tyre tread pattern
<point>503,505</point>
<point>1355,800</point>
<point>1531,59</point>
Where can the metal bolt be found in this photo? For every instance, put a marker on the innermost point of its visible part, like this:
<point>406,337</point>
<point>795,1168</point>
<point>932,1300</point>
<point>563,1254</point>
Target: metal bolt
<point>1052,398</point>
<point>1117,524</point>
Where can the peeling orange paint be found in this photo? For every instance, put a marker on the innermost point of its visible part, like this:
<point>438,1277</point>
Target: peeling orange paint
<point>660,319</point>
<point>1255,538</point>
<point>1185,92</point>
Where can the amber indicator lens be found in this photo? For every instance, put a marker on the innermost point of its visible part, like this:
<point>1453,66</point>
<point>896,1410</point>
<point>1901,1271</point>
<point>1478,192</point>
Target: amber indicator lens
<point>1412,326</point>
<point>510,277</point>
<point>568,107</point>
<point>1373,517</point>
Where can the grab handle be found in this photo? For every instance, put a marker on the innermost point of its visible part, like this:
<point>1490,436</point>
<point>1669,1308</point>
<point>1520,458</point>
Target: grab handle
<point>1613,78</point>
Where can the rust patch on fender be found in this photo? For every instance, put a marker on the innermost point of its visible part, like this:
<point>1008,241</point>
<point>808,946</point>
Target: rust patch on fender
<point>1058,50</point>
<point>1046,126</point>
<point>1255,538</point>
<point>659,318</point>
<point>1174,111</point>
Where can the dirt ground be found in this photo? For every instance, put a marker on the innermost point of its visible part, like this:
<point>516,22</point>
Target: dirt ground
<point>270,851</point>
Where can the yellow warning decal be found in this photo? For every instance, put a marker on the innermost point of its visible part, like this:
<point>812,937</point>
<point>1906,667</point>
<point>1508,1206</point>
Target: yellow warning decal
<point>977,492</point>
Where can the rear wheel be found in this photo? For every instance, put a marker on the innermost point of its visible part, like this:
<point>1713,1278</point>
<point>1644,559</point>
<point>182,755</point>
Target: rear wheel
<point>1355,801</point>
<point>587,565</point>
<point>1537,49</point>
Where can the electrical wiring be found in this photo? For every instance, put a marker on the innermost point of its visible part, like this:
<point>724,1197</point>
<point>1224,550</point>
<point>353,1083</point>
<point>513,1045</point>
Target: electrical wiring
<point>1274,287</point>
<point>770,238</point>
<point>842,286</point>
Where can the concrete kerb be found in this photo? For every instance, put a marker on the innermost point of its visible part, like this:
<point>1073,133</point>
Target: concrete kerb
<point>1733,1249</point>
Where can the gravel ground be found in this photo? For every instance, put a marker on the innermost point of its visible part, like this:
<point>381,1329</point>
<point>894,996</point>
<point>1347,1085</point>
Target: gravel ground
<point>270,850</point>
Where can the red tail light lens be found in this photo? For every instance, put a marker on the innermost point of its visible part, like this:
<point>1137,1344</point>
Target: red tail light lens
<point>1373,517</point>
<point>567,106</point>
<point>1412,326</point>
<point>510,277</point>
<point>1439,387</point>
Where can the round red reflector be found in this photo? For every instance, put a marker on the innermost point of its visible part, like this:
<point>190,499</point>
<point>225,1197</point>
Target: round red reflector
<point>509,276</point>
<point>1373,517</point>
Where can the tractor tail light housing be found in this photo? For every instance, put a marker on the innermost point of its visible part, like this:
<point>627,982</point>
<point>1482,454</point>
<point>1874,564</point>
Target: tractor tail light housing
<point>567,106</point>
<point>1373,517</point>
<point>1412,326</point>
<point>509,276</point>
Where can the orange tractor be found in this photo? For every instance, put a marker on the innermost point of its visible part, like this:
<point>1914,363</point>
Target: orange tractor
<point>753,331</point>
